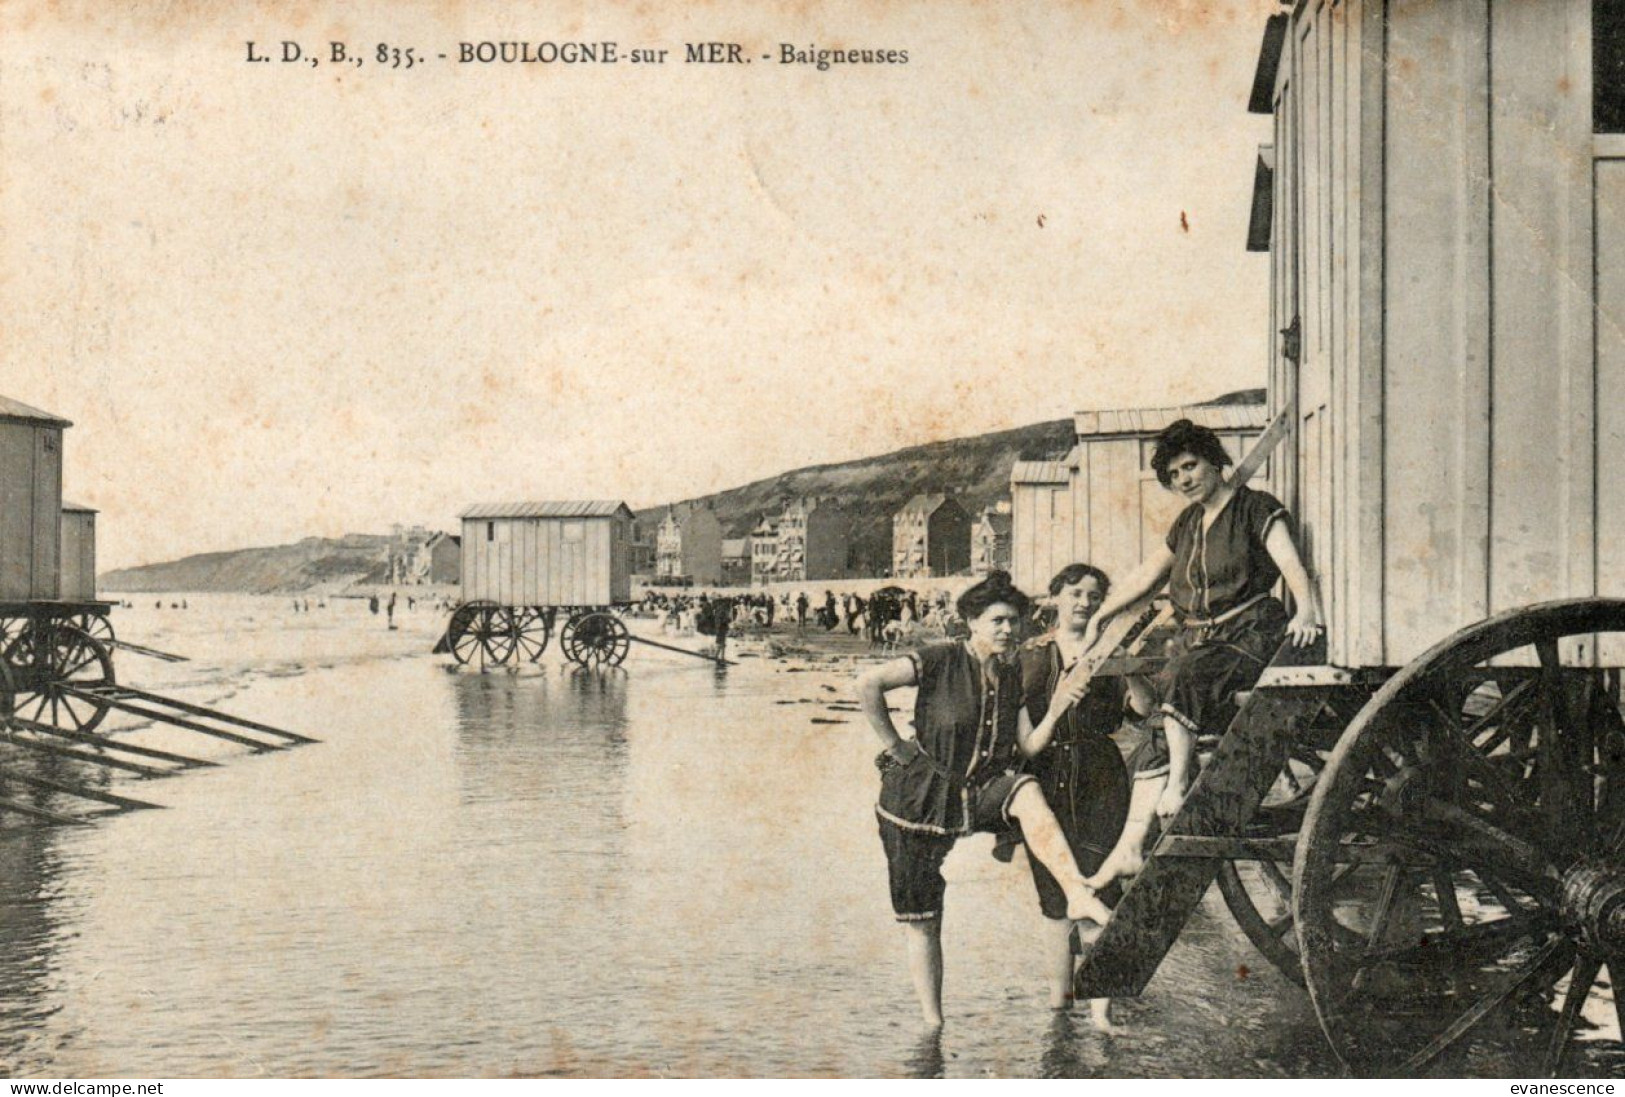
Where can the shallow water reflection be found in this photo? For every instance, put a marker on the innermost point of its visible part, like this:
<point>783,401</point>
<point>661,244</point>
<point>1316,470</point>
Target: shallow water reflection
<point>657,870</point>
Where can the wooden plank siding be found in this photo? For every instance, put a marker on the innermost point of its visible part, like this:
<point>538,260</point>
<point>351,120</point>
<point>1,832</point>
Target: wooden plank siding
<point>1542,365</point>
<point>1447,241</point>
<point>78,555</point>
<point>30,510</point>
<point>1610,355</point>
<point>544,561</point>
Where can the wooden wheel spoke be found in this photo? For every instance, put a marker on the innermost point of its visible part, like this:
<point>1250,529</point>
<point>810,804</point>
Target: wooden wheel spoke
<point>1385,906</point>
<point>1580,981</point>
<point>1475,766</point>
<point>1292,779</point>
<point>1502,894</point>
<point>1273,872</point>
<point>1616,982</point>
<point>1444,889</point>
<point>65,661</point>
<point>1514,701</point>
<point>1458,837</point>
<point>1497,993</point>
<point>1481,940</point>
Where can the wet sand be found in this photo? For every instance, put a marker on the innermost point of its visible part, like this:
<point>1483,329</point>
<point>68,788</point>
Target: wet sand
<point>666,870</point>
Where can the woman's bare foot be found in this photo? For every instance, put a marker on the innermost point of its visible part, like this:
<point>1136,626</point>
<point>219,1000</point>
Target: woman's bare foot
<point>1100,1016</point>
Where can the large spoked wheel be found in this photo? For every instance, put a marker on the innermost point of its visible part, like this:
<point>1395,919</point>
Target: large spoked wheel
<point>98,626</point>
<point>532,628</point>
<point>1259,892</point>
<point>481,634</point>
<point>595,639</point>
<point>56,670</point>
<point>1461,867</point>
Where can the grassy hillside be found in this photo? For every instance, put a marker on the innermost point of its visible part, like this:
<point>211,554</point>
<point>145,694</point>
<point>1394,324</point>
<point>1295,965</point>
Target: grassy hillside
<point>872,489</point>
<point>314,563</point>
<point>977,470</point>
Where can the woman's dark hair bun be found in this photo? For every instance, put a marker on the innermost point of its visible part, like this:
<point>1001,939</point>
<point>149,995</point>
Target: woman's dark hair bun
<point>997,587</point>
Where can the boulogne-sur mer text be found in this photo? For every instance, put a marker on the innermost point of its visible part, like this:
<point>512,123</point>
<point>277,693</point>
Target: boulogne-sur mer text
<point>398,57</point>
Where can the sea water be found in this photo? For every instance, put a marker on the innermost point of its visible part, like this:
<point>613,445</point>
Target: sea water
<point>666,869</point>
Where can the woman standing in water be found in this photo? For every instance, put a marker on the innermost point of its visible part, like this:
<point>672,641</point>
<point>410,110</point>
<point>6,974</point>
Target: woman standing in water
<point>1222,559</point>
<point>1077,763</point>
<point>960,774</point>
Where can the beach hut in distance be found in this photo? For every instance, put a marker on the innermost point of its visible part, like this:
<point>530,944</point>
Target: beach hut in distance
<point>30,502</point>
<point>78,551</point>
<point>1103,504</point>
<point>526,565</point>
<point>548,553</point>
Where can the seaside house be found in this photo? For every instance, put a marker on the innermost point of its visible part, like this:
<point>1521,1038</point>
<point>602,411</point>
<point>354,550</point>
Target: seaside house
<point>930,537</point>
<point>990,539</point>
<point>688,545</point>
<point>813,542</point>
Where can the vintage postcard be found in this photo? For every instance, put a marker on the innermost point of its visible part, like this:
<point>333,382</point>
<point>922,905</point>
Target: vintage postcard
<point>822,539</point>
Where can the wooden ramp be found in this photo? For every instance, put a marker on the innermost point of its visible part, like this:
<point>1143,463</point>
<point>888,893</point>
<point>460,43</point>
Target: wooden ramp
<point>183,714</point>
<point>64,754</point>
<point>1229,790</point>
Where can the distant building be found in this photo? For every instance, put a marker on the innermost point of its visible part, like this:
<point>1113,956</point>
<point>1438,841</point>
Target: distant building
<point>439,560</point>
<point>1102,504</point>
<point>418,556</point>
<point>764,551</point>
<point>688,545</point>
<point>930,538</point>
<point>736,561</point>
<point>642,549</point>
<point>814,539</point>
<point>990,540</point>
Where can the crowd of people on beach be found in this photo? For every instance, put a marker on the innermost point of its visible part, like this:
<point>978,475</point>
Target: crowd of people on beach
<point>892,615</point>
<point>1010,737</point>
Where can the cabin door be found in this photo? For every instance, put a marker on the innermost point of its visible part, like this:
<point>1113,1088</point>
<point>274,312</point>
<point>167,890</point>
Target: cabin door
<point>1308,335</point>
<point>1609,169</point>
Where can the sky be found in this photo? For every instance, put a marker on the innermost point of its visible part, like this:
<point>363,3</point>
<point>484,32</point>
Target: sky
<point>284,300</point>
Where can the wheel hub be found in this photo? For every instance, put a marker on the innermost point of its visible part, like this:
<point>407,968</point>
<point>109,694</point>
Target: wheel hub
<point>1593,904</point>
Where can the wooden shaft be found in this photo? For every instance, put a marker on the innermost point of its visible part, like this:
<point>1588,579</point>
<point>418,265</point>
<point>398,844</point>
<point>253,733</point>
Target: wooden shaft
<point>74,790</point>
<point>41,813</point>
<point>151,653</point>
<point>213,714</point>
<point>170,718</point>
<point>87,756</point>
<point>682,651</point>
<point>102,742</point>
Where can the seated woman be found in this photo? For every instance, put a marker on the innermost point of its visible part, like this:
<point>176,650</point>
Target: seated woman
<point>1223,557</point>
<point>960,774</point>
<point>1077,763</point>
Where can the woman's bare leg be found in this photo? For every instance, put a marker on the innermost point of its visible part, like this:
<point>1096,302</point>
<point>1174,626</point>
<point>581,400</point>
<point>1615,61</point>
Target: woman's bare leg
<point>1100,1009</point>
<point>1042,833</point>
<point>1181,753</point>
<point>1127,857</point>
<point>1058,948</point>
<point>925,967</point>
